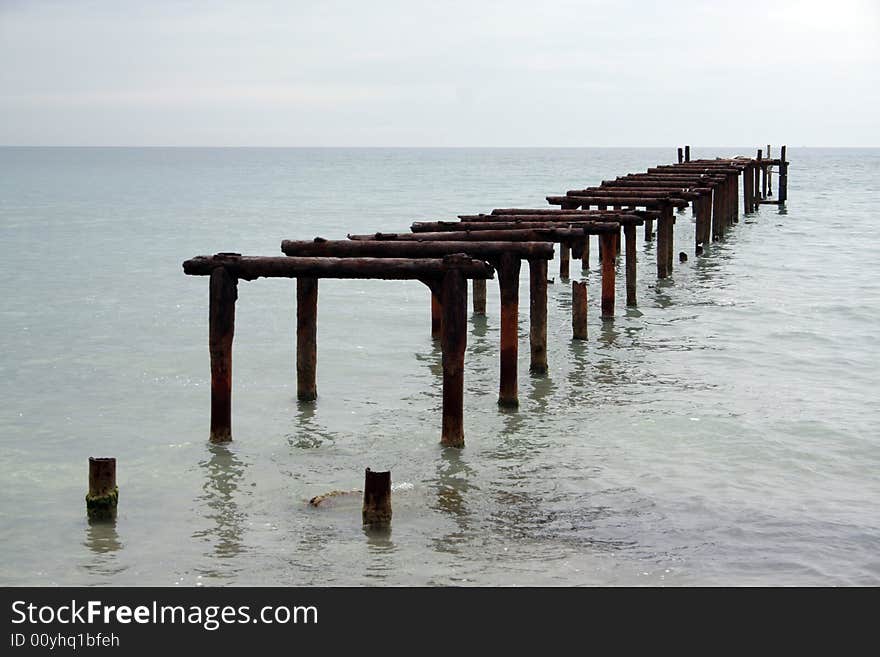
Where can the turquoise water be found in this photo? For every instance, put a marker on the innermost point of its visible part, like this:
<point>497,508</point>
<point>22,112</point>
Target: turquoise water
<point>725,432</point>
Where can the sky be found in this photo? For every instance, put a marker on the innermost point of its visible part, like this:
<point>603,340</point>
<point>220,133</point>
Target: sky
<point>388,73</point>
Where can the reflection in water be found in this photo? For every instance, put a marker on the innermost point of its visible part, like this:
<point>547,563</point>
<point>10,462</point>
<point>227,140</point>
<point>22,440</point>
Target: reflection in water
<point>309,433</point>
<point>542,390</point>
<point>480,325</point>
<point>103,541</point>
<point>452,484</point>
<point>224,473</point>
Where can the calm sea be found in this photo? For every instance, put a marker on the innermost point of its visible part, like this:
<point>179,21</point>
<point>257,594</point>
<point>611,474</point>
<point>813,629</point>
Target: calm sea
<point>725,432</point>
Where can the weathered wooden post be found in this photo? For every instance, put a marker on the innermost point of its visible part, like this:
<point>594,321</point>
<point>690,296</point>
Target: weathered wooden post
<point>453,344</point>
<point>664,241</point>
<point>687,153</point>
<point>479,296</point>
<point>649,229</point>
<point>306,337</point>
<point>221,329</point>
<point>585,256</point>
<point>717,219</point>
<point>680,155</point>
<point>103,495</point>
<point>377,498</point>
<point>607,275</point>
<point>783,177</point>
<point>508,280</point>
<point>747,191</point>
<point>564,260</point>
<point>436,316</point>
<point>538,315</point>
<point>629,233</point>
<point>579,310</point>
<point>769,174</point>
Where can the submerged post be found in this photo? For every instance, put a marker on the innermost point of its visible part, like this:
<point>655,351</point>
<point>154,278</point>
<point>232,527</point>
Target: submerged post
<point>608,275</point>
<point>629,234</point>
<point>377,498</point>
<point>103,495</point>
<point>479,296</point>
<point>453,343</point>
<point>221,328</point>
<point>538,315</point>
<point>306,337</point>
<point>508,281</point>
<point>578,310</point>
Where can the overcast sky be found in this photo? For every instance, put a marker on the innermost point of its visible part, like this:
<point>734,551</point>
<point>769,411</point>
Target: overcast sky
<point>385,73</point>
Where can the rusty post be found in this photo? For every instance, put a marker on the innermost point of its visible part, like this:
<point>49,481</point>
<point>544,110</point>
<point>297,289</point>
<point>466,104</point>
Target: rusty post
<point>306,337</point>
<point>670,241</point>
<point>585,256</point>
<point>377,498</point>
<point>783,177</point>
<point>718,210</point>
<point>680,155</point>
<point>221,329</point>
<point>607,275</point>
<point>747,191</point>
<point>564,260</point>
<point>687,153</point>
<point>453,344</point>
<point>629,233</point>
<point>479,296</point>
<point>733,184</point>
<point>538,315</point>
<point>649,229</point>
<point>579,310</point>
<point>103,495</point>
<point>769,173</point>
<point>508,281</point>
<point>436,316</point>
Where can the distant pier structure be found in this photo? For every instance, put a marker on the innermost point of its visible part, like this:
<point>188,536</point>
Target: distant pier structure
<point>444,255</point>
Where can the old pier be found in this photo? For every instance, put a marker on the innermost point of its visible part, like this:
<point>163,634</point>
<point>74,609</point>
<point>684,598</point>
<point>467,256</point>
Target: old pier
<point>444,255</point>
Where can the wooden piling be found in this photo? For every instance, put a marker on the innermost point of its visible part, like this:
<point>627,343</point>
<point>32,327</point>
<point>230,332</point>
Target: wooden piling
<point>377,498</point>
<point>649,229</point>
<point>629,233</point>
<point>564,260</point>
<point>221,329</point>
<point>680,155</point>
<point>579,310</point>
<point>769,174</point>
<point>103,496</point>
<point>718,218</point>
<point>538,315</point>
<point>508,280</point>
<point>608,275</point>
<point>687,153</point>
<point>783,177</point>
<point>479,296</point>
<point>453,345</point>
<point>306,337</point>
<point>585,256</point>
<point>436,316</point>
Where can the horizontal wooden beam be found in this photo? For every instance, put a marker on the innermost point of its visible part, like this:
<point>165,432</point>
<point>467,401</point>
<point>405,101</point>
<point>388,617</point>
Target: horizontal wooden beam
<point>588,227</point>
<point>651,202</point>
<point>394,249</point>
<point>527,235</point>
<point>251,267</point>
<point>648,214</point>
<point>634,193</point>
<point>565,218</point>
